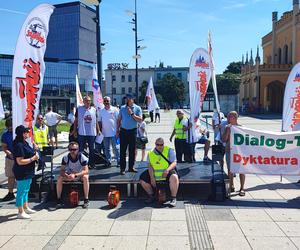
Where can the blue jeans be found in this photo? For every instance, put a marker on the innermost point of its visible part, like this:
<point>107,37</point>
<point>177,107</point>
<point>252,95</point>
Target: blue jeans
<point>113,142</point>
<point>23,187</point>
<point>90,140</point>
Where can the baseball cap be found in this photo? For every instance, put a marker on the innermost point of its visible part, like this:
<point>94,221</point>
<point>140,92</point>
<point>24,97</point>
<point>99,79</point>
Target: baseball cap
<point>21,130</point>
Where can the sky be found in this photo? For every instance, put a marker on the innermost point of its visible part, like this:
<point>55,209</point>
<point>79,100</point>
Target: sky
<point>171,29</point>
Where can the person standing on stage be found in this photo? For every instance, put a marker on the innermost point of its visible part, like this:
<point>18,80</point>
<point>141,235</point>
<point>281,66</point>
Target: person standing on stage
<point>180,136</point>
<point>88,128</point>
<point>107,119</point>
<point>129,116</point>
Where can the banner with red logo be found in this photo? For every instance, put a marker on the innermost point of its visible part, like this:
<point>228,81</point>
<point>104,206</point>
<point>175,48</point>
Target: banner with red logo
<point>151,97</point>
<point>29,66</point>
<point>259,152</point>
<point>97,95</point>
<point>199,77</point>
<point>79,100</point>
<point>291,102</point>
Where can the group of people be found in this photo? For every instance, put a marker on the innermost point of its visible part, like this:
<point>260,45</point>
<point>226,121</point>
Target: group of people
<point>125,125</point>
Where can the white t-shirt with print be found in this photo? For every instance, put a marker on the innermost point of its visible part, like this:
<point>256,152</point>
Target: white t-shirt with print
<point>141,129</point>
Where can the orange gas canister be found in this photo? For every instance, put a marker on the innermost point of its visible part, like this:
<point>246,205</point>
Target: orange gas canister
<point>161,195</point>
<point>73,197</point>
<point>113,197</point>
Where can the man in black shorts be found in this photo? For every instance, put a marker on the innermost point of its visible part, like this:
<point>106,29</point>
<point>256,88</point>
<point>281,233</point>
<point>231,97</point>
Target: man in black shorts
<point>74,167</point>
<point>161,167</point>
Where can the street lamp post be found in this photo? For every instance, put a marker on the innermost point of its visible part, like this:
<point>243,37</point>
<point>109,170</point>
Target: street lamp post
<point>98,38</point>
<point>136,55</point>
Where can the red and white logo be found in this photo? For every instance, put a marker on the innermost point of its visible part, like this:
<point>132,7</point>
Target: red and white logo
<point>35,33</point>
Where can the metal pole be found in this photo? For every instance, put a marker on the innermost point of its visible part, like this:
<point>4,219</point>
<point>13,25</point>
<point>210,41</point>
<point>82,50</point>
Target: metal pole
<point>136,54</point>
<point>99,53</point>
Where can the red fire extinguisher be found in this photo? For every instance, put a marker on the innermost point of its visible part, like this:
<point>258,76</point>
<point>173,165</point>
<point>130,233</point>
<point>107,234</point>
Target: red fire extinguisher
<point>113,197</point>
<point>74,197</point>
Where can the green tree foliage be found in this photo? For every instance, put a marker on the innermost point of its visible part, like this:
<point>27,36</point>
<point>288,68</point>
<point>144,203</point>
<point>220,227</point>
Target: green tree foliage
<point>228,84</point>
<point>143,90</point>
<point>171,89</point>
<point>234,68</point>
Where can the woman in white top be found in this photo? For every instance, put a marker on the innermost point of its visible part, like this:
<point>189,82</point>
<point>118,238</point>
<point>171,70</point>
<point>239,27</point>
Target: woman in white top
<point>141,133</point>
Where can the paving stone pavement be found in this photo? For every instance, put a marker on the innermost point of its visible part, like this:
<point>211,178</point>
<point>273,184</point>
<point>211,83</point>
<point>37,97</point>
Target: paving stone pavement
<point>268,217</point>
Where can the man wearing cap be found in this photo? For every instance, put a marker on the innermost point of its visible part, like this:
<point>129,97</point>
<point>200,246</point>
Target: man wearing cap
<point>180,136</point>
<point>129,116</point>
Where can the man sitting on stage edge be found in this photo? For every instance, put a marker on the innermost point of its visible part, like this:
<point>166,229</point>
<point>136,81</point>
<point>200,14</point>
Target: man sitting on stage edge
<point>161,167</point>
<point>74,166</point>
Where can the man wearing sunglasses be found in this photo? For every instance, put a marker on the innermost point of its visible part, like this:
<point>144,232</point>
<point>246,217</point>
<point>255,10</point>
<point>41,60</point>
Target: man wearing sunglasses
<point>74,166</point>
<point>161,167</point>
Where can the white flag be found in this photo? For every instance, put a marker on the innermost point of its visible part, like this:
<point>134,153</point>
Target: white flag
<point>2,115</point>
<point>199,77</point>
<point>79,100</point>
<point>97,96</point>
<point>29,66</point>
<point>151,97</point>
<point>213,72</point>
<point>291,102</point>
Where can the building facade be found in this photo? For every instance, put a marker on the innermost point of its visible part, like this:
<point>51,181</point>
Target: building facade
<point>121,80</point>
<point>262,85</point>
<point>71,51</point>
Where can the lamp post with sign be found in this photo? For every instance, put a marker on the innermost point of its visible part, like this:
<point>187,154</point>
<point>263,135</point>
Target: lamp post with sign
<point>136,56</point>
<point>96,3</point>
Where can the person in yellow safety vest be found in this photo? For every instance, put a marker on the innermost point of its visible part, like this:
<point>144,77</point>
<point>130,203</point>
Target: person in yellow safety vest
<point>161,167</point>
<point>40,136</point>
<point>180,136</point>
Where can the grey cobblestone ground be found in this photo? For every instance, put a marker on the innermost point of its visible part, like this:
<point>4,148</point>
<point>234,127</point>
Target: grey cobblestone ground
<point>268,217</point>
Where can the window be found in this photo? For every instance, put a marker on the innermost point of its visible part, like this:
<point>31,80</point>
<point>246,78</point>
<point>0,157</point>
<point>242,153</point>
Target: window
<point>113,78</point>
<point>114,91</point>
<point>129,78</point>
<point>158,76</point>
<point>130,90</point>
<point>123,78</point>
<point>123,90</point>
<point>179,75</point>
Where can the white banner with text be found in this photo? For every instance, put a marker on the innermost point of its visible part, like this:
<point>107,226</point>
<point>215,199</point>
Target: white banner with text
<point>259,152</point>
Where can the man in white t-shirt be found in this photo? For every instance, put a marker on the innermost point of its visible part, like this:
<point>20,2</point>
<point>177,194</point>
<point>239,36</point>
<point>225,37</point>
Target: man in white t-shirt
<point>107,118</point>
<point>52,119</point>
<point>216,121</point>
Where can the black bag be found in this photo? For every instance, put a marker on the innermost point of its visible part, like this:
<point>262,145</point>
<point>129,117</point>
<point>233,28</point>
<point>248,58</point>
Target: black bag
<point>141,139</point>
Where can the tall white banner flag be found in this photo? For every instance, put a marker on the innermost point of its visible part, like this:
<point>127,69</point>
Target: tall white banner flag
<point>29,66</point>
<point>2,115</point>
<point>151,97</point>
<point>291,102</point>
<point>213,72</point>
<point>97,95</point>
<point>199,77</point>
<point>79,100</point>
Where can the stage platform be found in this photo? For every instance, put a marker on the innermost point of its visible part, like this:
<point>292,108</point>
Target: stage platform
<point>196,173</point>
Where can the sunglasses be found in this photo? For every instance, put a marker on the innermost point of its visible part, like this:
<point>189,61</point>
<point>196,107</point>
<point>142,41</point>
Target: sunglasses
<point>159,145</point>
<point>73,149</point>
<point>106,101</point>
<point>40,118</point>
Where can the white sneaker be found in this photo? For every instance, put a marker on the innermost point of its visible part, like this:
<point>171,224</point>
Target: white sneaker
<point>23,216</point>
<point>29,211</point>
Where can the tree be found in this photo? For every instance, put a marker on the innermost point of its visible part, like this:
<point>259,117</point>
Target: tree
<point>234,68</point>
<point>143,90</point>
<point>228,83</point>
<point>171,89</point>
